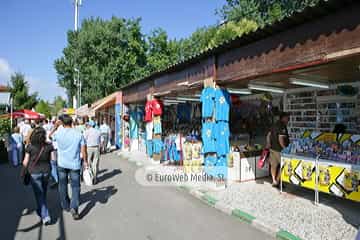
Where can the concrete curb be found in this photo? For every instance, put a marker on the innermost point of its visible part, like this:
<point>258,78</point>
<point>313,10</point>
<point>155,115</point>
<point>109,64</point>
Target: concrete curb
<point>241,215</point>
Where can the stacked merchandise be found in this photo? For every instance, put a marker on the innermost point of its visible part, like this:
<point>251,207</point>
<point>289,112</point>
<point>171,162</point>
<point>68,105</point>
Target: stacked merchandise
<point>343,151</point>
<point>324,162</point>
<point>192,154</point>
<point>215,130</point>
<point>154,144</point>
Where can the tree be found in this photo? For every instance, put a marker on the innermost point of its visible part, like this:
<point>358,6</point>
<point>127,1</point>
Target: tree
<point>262,11</point>
<point>108,55</point>
<point>44,108</point>
<point>58,104</point>
<point>19,89</point>
<point>160,50</point>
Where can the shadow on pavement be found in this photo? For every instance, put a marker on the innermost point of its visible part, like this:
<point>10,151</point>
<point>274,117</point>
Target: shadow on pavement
<point>108,175</point>
<point>99,195</point>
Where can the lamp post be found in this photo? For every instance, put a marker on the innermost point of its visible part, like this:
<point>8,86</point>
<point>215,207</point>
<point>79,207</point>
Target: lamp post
<point>77,82</point>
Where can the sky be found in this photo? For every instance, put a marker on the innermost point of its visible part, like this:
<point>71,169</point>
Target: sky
<point>33,32</point>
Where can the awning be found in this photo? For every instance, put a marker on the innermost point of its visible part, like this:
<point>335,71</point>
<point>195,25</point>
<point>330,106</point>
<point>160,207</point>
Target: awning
<point>27,114</point>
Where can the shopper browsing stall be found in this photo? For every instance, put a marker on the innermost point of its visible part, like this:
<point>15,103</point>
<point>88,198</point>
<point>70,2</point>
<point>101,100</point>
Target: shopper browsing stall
<point>279,139</point>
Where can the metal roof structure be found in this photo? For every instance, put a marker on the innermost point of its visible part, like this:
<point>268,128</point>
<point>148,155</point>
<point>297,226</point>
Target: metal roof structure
<point>323,8</point>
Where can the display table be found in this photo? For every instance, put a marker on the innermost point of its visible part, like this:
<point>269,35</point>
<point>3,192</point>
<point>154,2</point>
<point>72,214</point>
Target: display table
<point>245,168</point>
<point>321,175</point>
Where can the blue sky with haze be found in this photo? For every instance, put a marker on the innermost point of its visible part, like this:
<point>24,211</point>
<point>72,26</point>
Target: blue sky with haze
<point>33,32</point>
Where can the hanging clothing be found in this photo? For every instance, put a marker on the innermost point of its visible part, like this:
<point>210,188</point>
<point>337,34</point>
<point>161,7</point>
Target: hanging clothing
<point>184,112</point>
<point>208,137</point>
<point>157,107</point>
<point>133,125</point>
<point>157,125</point>
<point>222,104</point>
<point>149,148</point>
<point>222,135</point>
<point>207,98</point>
<point>157,146</point>
<point>148,112</point>
<point>149,130</point>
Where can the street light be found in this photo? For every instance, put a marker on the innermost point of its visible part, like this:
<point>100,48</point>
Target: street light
<point>77,82</point>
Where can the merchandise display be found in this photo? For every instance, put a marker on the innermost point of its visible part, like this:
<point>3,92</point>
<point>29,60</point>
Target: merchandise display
<point>208,103</point>
<point>216,104</point>
<point>324,162</point>
<point>320,110</point>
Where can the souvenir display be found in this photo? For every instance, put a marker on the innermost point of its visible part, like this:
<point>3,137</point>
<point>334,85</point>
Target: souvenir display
<point>324,162</point>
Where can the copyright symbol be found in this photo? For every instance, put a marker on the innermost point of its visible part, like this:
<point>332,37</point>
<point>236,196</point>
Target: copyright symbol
<point>149,177</point>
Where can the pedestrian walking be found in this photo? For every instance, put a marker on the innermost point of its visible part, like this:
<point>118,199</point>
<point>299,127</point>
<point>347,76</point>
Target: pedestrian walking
<point>37,162</point>
<point>105,136</point>
<point>17,142</point>
<point>69,145</point>
<point>29,133</point>
<point>92,138</point>
<point>25,128</point>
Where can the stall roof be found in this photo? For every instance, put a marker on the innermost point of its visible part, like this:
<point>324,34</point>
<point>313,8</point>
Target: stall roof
<point>323,8</point>
<point>106,101</point>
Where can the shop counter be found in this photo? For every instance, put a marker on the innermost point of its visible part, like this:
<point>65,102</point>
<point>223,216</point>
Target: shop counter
<point>322,175</point>
<point>245,168</point>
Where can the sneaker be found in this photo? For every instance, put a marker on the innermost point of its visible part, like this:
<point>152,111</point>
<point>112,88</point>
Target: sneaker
<point>75,214</point>
<point>46,221</point>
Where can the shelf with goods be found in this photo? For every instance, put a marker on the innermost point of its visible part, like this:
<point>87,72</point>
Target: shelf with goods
<point>324,162</point>
<point>319,109</point>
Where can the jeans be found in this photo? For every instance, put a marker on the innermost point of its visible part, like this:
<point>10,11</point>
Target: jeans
<point>39,182</point>
<point>54,173</point>
<point>65,201</point>
<point>94,157</point>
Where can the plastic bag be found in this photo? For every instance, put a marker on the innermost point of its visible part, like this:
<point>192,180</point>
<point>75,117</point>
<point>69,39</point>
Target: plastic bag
<point>264,156</point>
<point>88,177</point>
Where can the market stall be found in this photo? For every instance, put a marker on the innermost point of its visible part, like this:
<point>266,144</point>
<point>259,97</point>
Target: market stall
<point>173,125</point>
<point>324,162</point>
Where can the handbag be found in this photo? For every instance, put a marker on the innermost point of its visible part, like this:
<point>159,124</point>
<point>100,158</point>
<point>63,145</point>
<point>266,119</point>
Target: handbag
<point>264,156</point>
<point>27,176</point>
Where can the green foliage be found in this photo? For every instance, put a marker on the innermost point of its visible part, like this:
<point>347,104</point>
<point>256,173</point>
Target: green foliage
<point>160,50</point>
<point>44,108</point>
<point>4,127</point>
<point>262,11</point>
<point>231,29</point>
<point>108,54</point>
<point>20,92</point>
<point>58,104</point>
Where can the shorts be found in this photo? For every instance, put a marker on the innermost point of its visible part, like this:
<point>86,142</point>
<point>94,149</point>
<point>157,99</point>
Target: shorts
<point>275,159</point>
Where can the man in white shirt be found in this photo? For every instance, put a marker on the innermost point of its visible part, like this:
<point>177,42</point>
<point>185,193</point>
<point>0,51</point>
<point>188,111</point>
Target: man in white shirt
<point>105,135</point>
<point>92,139</point>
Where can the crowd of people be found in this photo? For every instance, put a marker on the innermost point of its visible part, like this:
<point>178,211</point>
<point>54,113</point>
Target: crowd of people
<point>56,151</point>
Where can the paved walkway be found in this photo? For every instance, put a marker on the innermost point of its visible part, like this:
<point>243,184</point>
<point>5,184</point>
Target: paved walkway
<point>117,208</point>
